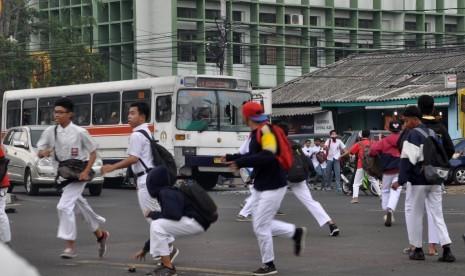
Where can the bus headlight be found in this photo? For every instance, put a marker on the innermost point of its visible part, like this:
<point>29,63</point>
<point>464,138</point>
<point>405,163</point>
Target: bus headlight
<point>189,151</point>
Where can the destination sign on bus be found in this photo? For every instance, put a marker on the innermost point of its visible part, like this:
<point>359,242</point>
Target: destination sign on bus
<point>217,83</point>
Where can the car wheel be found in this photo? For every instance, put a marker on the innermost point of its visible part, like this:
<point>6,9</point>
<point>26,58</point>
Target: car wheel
<point>459,175</point>
<point>95,190</point>
<point>31,188</point>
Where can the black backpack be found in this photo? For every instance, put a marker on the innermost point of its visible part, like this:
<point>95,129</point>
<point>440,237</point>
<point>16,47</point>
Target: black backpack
<point>300,167</point>
<point>161,157</point>
<point>202,203</point>
<point>435,167</point>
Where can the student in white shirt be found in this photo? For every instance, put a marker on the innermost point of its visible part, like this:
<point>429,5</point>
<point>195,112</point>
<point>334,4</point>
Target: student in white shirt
<point>320,168</point>
<point>139,154</point>
<point>334,148</point>
<point>69,141</point>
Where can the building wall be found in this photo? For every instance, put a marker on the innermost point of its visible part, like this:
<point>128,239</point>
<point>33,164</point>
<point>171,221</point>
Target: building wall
<point>153,38</point>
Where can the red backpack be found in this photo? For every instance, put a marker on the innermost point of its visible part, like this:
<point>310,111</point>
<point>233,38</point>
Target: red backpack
<point>284,154</point>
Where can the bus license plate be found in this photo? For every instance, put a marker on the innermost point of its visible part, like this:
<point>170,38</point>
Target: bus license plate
<point>217,160</point>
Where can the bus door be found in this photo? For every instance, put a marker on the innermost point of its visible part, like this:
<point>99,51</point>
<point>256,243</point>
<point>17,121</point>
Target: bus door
<point>164,115</point>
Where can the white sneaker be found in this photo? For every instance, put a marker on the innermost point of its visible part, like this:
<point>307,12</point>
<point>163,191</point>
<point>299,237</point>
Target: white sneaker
<point>68,253</point>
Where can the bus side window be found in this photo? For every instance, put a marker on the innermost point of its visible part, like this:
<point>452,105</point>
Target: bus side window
<point>13,116</point>
<point>106,109</point>
<point>29,112</point>
<point>163,109</point>
<point>130,97</point>
<point>46,107</point>
<point>81,109</point>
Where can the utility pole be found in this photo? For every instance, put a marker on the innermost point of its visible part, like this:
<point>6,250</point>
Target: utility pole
<point>223,37</point>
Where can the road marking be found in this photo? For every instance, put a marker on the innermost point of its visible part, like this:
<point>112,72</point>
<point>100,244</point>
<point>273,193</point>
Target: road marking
<point>180,268</point>
<point>446,212</point>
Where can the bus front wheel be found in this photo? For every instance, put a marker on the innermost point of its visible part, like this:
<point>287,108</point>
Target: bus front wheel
<point>206,180</point>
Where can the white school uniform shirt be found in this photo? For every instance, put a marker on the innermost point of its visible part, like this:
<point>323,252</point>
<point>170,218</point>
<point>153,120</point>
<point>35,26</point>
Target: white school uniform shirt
<point>334,150</point>
<point>72,142</point>
<point>139,146</point>
<point>313,151</point>
<point>307,151</point>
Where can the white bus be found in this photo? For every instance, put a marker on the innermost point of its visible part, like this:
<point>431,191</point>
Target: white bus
<point>198,118</point>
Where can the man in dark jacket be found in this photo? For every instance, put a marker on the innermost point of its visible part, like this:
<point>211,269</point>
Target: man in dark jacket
<point>426,106</point>
<point>176,218</point>
<point>419,193</point>
<point>270,181</point>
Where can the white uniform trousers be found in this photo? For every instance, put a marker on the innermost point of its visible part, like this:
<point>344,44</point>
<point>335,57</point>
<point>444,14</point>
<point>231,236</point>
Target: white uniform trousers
<point>164,231</point>
<point>389,196</point>
<point>5,232</point>
<point>417,198</point>
<point>304,195</point>
<point>432,232</point>
<point>265,206</point>
<point>146,202</point>
<point>359,175</point>
<point>247,209</point>
<point>71,203</point>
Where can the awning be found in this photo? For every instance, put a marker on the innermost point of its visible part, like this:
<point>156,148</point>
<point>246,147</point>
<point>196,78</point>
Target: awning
<point>295,111</point>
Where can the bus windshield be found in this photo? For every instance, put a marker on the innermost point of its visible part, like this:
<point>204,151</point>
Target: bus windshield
<point>211,110</point>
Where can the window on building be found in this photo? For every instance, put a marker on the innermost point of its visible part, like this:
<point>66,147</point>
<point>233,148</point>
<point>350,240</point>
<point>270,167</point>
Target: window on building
<point>237,16</point>
<point>130,97</point>
<point>314,20</point>
<point>410,44</point>
<point>293,57</point>
<point>342,50</point>
<point>187,12</point>
<point>365,23</point>
<point>313,51</point>
<point>212,48</point>
<point>342,22</point>
<point>366,45</point>
<point>30,112</point>
<point>267,17</point>
<point>293,54</point>
<point>106,108</point>
<point>46,107</point>
<point>13,115</point>
<point>212,14</point>
<point>450,28</point>
<point>187,51</point>
<point>268,53</point>
<point>237,50</point>
<point>163,109</point>
<point>81,109</point>
<point>410,26</point>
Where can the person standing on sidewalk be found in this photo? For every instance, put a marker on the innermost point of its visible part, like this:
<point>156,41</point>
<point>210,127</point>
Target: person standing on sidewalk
<point>389,156</point>
<point>334,147</point>
<point>5,232</point>
<point>420,193</point>
<point>270,185</point>
<point>69,141</point>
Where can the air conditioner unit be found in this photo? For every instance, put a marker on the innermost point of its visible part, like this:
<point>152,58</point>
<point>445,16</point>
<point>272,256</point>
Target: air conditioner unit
<point>297,19</point>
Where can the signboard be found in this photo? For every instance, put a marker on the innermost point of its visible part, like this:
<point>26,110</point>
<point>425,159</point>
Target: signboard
<point>450,81</point>
<point>323,122</point>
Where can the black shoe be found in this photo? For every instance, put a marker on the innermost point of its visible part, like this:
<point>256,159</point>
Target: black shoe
<point>463,237</point>
<point>333,230</point>
<point>417,254</point>
<point>447,256</point>
<point>266,270</point>
<point>388,219</point>
<point>299,240</point>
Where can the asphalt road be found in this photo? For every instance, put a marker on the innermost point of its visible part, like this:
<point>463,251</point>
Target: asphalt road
<point>365,246</point>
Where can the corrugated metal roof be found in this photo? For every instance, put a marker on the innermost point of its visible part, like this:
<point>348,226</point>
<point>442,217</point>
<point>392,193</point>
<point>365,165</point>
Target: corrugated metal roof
<point>295,111</point>
<point>376,77</point>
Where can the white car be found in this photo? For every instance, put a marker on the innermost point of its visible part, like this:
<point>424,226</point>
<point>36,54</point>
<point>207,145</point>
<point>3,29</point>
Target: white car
<point>26,168</point>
